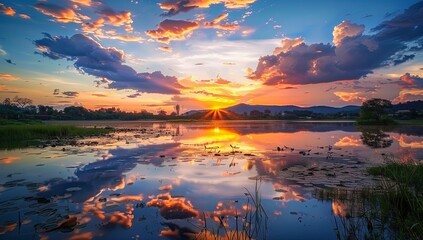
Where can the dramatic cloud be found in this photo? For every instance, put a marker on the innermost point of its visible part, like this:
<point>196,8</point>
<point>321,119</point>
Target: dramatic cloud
<point>7,10</point>
<point>8,77</point>
<point>411,81</point>
<point>60,14</point>
<point>346,29</point>
<point>353,56</point>
<point>104,63</point>
<point>409,95</point>
<point>287,44</point>
<point>169,30</point>
<point>174,7</point>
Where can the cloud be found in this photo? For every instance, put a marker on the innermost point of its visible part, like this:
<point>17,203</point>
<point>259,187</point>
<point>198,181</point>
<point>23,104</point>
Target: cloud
<point>220,80</point>
<point>411,81</point>
<point>2,52</point>
<point>111,18</point>
<point>71,94</point>
<point>56,91</point>
<point>7,10</point>
<point>104,63</point>
<point>174,7</point>
<point>216,23</point>
<point>60,14</point>
<point>135,95</point>
<point>165,48</point>
<point>86,3</point>
<point>350,96</point>
<point>10,61</point>
<point>172,207</point>
<point>99,95</point>
<point>117,18</point>
<point>287,44</point>
<point>8,77</point>
<point>24,16</point>
<point>169,30</point>
<point>354,56</point>
<point>346,29</point>
<point>405,95</point>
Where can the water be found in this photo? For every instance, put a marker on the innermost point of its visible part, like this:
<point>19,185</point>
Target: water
<point>172,180</point>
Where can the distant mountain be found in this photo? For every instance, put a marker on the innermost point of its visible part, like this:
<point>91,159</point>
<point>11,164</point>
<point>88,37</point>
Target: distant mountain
<point>241,108</point>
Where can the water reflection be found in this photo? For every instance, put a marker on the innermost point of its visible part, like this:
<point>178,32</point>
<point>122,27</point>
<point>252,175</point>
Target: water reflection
<point>171,179</point>
<point>375,138</point>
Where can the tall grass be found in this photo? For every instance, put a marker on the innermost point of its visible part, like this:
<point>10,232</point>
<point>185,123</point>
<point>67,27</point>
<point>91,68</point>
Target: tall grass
<point>392,210</point>
<point>252,224</point>
<point>23,135</point>
<point>401,200</point>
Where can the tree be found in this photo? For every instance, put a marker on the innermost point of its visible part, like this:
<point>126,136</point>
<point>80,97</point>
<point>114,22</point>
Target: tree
<point>375,111</point>
<point>22,102</point>
<point>7,102</point>
<point>161,113</point>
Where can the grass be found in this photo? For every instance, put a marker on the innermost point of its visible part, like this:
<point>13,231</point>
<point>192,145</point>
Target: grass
<point>392,210</point>
<point>15,136</point>
<point>401,201</point>
<point>252,224</point>
<point>4,122</point>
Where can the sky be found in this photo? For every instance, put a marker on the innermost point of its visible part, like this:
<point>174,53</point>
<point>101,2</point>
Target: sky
<point>209,54</point>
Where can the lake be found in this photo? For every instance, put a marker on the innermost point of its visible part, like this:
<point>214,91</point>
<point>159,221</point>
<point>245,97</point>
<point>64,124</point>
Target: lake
<point>234,179</point>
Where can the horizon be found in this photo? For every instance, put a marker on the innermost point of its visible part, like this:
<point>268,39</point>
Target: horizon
<point>199,54</point>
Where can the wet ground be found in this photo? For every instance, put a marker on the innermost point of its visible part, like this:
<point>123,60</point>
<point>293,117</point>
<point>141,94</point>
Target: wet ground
<point>152,180</point>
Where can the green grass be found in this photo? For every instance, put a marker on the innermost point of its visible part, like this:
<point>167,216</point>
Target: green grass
<point>401,198</point>
<point>15,136</point>
<point>4,122</point>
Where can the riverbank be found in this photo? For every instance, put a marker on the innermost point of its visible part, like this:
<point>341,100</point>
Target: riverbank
<point>24,133</point>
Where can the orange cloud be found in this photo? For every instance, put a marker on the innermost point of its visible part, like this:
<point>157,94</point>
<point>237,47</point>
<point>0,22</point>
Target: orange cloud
<point>350,96</point>
<point>348,141</point>
<point>7,10</point>
<point>217,25</point>
<point>173,208</point>
<point>8,77</point>
<point>287,45</point>
<point>117,18</point>
<point>9,160</point>
<point>165,48</point>
<point>86,3</point>
<point>177,6</point>
<point>409,95</point>
<point>61,14</point>
<point>344,30</point>
<point>169,30</point>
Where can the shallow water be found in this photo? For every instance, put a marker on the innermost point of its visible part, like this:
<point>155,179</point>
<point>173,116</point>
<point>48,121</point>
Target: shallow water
<point>151,180</point>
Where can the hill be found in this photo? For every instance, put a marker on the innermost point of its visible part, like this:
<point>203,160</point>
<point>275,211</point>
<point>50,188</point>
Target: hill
<point>242,108</point>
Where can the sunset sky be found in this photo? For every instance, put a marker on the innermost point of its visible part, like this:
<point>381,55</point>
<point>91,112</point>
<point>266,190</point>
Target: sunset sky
<point>145,54</point>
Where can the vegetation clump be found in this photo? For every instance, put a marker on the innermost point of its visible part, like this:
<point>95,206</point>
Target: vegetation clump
<point>18,134</point>
<point>376,112</point>
<point>401,198</point>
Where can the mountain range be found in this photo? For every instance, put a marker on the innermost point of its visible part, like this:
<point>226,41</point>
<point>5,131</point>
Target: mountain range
<point>242,108</point>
